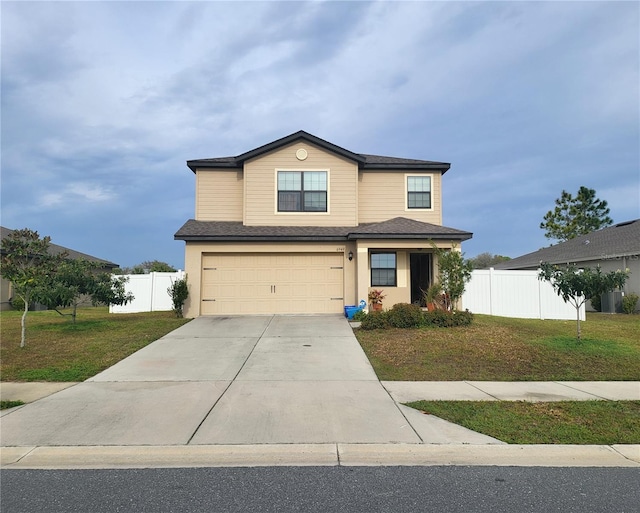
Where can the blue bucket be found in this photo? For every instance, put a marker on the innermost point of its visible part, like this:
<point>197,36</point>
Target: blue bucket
<point>350,310</point>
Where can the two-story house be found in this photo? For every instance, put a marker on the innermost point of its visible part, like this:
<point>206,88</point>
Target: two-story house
<point>301,225</point>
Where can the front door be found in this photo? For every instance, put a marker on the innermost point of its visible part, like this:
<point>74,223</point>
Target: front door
<point>421,276</point>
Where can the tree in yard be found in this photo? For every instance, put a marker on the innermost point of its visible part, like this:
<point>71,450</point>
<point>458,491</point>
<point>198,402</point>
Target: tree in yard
<point>572,217</point>
<point>148,266</point>
<point>28,265</point>
<point>454,272</point>
<point>79,280</point>
<point>179,293</point>
<point>575,286</point>
<point>486,260</point>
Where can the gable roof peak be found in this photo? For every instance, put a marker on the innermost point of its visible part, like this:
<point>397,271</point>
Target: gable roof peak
<point>364,161</point>
<point>297,136</point>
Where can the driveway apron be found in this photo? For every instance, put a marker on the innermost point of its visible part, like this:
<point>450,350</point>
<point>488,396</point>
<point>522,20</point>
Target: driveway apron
<point>225,380</point>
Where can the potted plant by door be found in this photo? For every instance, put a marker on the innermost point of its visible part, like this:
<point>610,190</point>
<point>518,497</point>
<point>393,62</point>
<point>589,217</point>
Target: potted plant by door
<point>375,298</point>
<point>433,297</point>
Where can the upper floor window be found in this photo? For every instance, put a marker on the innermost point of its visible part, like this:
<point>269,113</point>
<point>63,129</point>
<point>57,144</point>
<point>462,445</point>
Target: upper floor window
<point>418,192</point>
<point>383,269</point>
<point>302,191</point>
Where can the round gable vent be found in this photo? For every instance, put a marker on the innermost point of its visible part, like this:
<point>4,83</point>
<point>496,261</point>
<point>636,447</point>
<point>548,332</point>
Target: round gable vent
<point>301,154</point>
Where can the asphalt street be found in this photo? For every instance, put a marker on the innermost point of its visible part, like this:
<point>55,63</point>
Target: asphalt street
<point>323,489</point>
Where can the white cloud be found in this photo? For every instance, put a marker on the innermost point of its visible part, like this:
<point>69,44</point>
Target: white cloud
<point>76,193</point>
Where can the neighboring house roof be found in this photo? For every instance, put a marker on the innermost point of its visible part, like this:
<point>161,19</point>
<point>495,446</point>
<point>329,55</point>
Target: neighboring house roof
<point>620,240</point>
<point>397,228</point>
<point>54,249</point>
<point>364,161</point>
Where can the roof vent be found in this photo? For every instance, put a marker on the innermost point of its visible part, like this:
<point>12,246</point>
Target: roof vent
<point>626,223</point>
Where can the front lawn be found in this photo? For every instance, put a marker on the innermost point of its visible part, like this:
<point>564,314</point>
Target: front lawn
<point>566,422</point>
<point>505,349</point>
<point>58,350</point>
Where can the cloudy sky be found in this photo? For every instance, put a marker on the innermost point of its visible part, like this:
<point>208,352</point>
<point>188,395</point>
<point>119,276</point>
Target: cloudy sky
<point>103,102</point>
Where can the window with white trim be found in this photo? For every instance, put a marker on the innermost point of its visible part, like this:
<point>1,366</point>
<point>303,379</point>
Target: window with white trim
<point>383,270</point>
<point>418,192</point>
<point>302,191</point>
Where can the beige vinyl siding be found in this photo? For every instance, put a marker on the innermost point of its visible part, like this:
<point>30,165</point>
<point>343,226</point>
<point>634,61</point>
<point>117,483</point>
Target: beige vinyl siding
<point>219,195</point>
<point>260,190</point>
<point>383,195</point>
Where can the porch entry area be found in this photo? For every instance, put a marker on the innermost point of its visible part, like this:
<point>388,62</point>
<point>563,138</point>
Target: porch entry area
<point>421,272</point>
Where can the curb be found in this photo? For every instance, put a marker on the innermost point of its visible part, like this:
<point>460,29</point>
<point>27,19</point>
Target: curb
<point>112,457</point>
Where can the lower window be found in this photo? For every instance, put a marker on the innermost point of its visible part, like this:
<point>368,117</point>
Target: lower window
<point>383,269</point>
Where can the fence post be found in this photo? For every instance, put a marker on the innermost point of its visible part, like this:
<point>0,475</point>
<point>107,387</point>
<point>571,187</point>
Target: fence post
<point>153,283</point>
<point>490,290</point>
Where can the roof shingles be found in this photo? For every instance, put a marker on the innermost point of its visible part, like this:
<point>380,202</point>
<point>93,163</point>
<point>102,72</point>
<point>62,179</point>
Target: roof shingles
<point>397,228</point>
<point>364,161</point>
<point>622,239</point>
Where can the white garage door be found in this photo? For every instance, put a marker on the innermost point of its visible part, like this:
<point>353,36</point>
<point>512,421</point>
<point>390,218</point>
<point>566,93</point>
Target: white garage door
<point>267,283</point>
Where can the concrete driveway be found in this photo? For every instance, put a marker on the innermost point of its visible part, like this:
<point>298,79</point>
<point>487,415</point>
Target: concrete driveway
<point>233,380</point>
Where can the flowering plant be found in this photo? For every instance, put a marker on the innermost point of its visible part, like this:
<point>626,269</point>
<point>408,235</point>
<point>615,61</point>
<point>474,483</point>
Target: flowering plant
<point>376,296</point>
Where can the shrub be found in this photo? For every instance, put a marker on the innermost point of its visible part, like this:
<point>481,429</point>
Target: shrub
<point>462,318</point>
<point>359,316</point>
<point>179,292</point>
<point>17,303</point>
<point>629,303</point>
<point>404,315</point>
<point>375,321</point>
<point>596,303</point>
<point>444,319</point>
<point>439,318</point>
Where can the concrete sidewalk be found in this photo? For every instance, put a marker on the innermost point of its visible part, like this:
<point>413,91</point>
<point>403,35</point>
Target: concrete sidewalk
<point>407,391</point>
<point>271,390</point>
<point>534,391</point>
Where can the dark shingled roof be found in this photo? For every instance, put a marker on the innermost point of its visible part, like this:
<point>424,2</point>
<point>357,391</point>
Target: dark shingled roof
<point>397,228</point>
<point>620,240</point>
<point>364,161</point>
<point>54,249</point>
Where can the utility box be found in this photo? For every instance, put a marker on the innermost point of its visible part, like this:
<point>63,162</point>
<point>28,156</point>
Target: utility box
<point>611,302</point>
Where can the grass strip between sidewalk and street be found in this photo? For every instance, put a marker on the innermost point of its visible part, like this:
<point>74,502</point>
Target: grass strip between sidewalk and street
<point>58,350</point>
<point>564,422</point>
<point>507,349</point>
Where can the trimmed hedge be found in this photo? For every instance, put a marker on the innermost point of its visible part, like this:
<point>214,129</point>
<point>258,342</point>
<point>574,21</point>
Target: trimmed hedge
<point>404,315</point>
<point>375,321</point>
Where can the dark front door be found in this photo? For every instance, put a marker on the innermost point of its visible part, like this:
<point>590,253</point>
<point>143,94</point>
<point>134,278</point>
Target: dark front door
<point>421,272</point>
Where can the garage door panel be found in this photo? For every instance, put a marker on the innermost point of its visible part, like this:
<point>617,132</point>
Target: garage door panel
<point>272,283</point>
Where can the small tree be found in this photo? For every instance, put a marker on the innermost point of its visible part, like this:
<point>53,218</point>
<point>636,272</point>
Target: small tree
<point>80,280</point>
<point>454,272</point>
<point>179,292</point>
<point>28,265</point>
<point>576,216</point>
<point>575,286</point>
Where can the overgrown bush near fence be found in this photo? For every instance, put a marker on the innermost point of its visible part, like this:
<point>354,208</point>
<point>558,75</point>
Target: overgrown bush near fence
<point>629,303</point>
<point>404,315</point>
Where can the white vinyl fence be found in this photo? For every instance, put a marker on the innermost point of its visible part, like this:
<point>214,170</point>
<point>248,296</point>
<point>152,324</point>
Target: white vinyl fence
<point>149,291</point>
<point>515,294</point>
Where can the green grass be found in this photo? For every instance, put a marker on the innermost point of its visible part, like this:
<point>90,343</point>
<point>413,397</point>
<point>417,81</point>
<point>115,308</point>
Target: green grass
<point>505,349</point>
<point>58,350</point>
<point>566,422</point>
<point>4,405</point>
